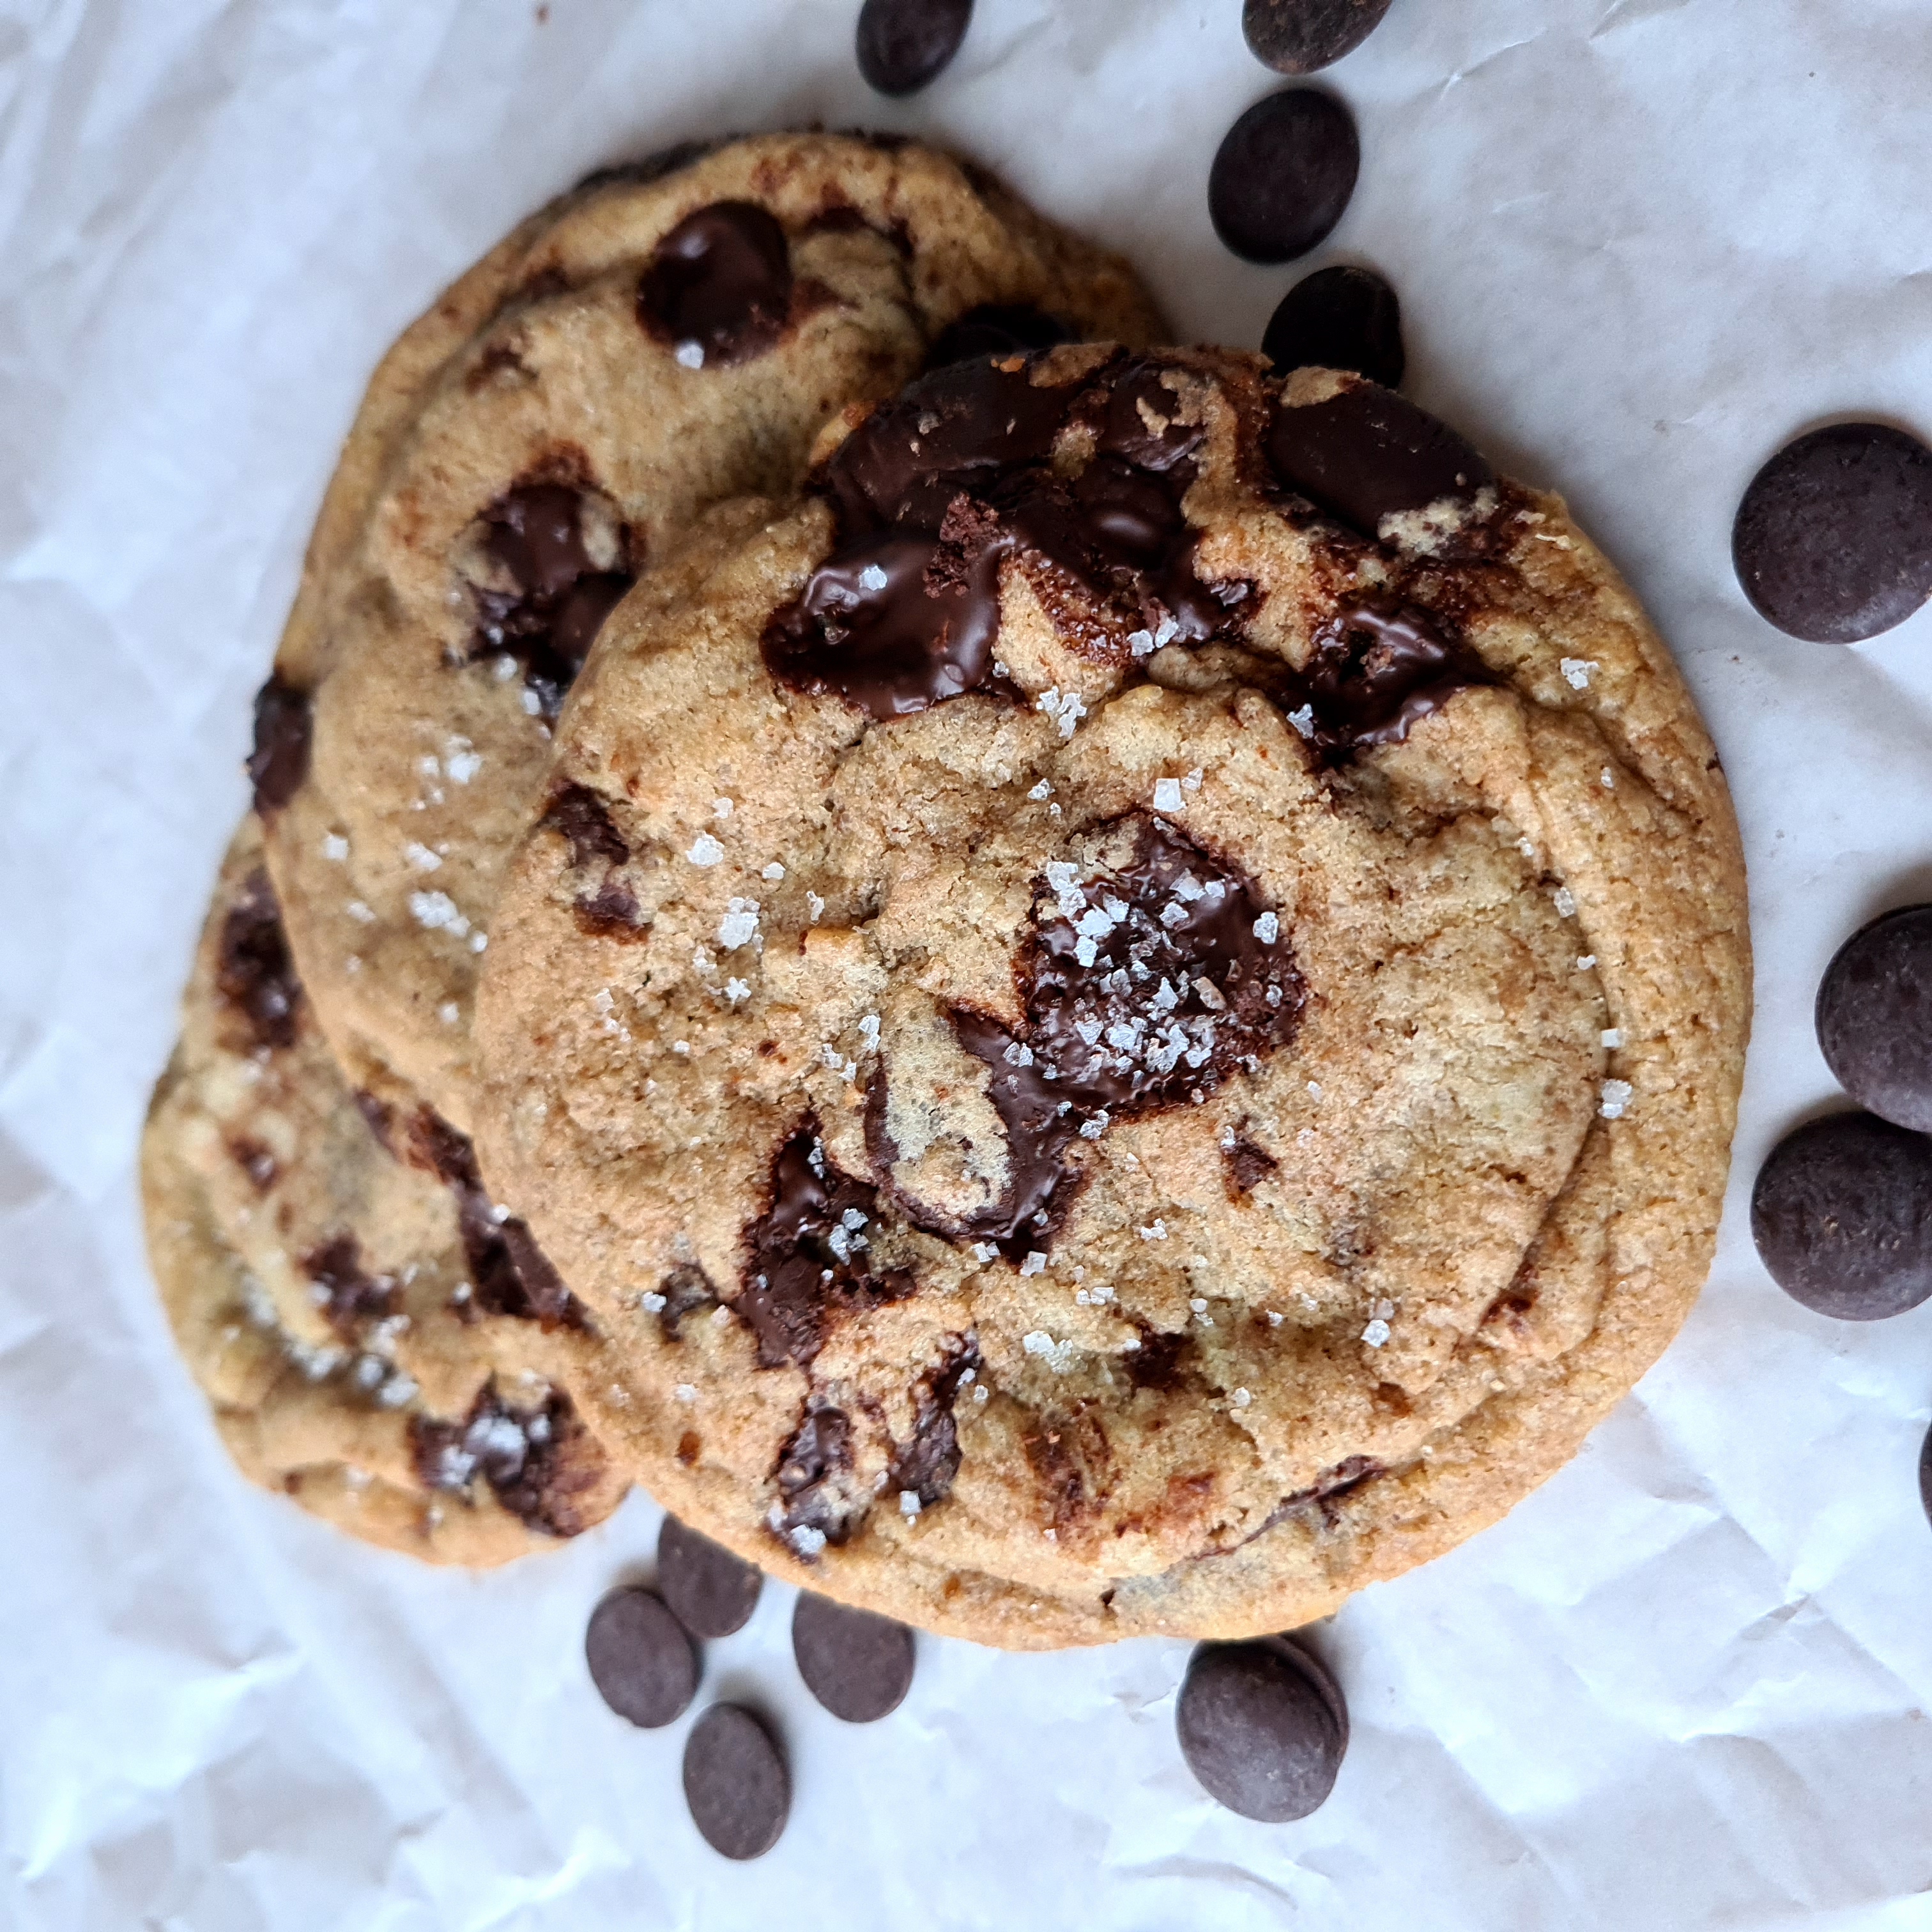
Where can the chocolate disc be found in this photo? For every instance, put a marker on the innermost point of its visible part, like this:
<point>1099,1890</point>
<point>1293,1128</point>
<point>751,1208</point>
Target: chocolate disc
<point>1263,1725</point>
<point>1833,540</point>
<point>857,1665</point>
<point>1875,1017</point>
<point>1300,36</point>
<point>1283,175</point>
<point>1925,1475</point>
<point>641,1660</point>
<point>1842,1216</point>
<point>903,44</point>
<point>1339,318</point>
<point>736,1782</point>
<point>710,1592</point>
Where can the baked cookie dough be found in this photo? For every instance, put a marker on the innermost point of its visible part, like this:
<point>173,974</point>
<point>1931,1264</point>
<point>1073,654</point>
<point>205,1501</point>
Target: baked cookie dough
<point>375,1339</point>
<point>664,336</point>
<point>1131,1017</point>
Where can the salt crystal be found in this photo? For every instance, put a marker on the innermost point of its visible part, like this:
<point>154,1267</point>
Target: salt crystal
<point>872,578</point>
<point>1034,1264</point>
<point>1584,961</point>
<point>651,1302</point>
<point>1376,1333</point>
<point>1576,672</point>
<point>1242,1398</point>
<point>806,1540</point>
<point>461,762</point>
<point>1167,795</point>
<point>869,1031</point>
<point>739,925</point>
<point>437,912</point>
<point>335,846</point>
<point>705,850</point>
<point>684,1392</point>
<point>1616,1098</point>
<point>361,914</point>
<point>1092,1130</point>
<point>1565,902</point>
<point>736,990</point>
<point>985,1251</point>
<point>815,905</point>
<point>690,355</point>
<point>1141,643</point>
<point>1303,720</point>
<point>1043,789</point>
<point>1085,951</point>
<point>722,807</point>
<point>774,872</point>
<point>1156,1232</point>
<point>1613,1037</point>
<point>1199,1304</point>
<point>449,1012</point>
<point>909,1503</point>
<point>1610,779</point>
<point>1267,929</point>
<point>1192,781</point>
<point>1274,1320</point>
<point>532,704</point>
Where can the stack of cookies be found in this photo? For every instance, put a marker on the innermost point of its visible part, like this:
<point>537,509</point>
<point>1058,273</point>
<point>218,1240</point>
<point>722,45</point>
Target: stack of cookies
<point>1062,990</point>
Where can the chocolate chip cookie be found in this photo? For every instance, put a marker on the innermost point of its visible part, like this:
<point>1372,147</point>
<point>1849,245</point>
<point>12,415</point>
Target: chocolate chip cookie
<point>375,1339</point>
<point>667,335</point>
<point>1131,1015</point>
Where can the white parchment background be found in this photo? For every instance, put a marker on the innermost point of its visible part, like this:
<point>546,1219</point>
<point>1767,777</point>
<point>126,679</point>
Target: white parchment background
<point>1639,243</point>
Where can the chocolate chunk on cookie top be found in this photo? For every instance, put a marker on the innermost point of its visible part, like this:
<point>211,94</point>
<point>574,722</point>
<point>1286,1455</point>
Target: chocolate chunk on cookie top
<point>719,285</point>
<point>1121,995</point>
<point>1833,540</point>
<point>1875,1017</point>
<point>1842,1216</point>
<point>1263,1727</point>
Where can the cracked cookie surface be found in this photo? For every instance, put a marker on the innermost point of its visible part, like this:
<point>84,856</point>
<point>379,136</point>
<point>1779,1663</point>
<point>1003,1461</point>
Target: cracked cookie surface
<point>1131,1015</point>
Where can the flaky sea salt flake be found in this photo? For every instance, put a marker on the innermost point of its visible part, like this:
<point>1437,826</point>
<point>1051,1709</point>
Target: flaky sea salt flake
<point>1616,1099</point>
<point>705,850</point>
<point>1576,672</point>
<point>1167,795</point>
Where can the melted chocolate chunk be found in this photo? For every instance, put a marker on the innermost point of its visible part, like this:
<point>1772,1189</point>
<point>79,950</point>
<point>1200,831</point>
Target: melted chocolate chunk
<point>581,817</point>
<point>1366,454</point>
<point>719,285</point>
<point>643,1665</point>
<point>996,328</point>
<point>1372,674</point>
<point>1248,1166</point>
<point>736,1782</point>
<point>819,1503</point>
<point>1341,318</point>
<point>905,45</point>
<point>1304,36</point>
<point>284,720</point>
<point>538,1462</point>
<point>1874,1017</point>
<point>926,1464</point>
<point>711,1592</point>
<point>1842,1216</point>
<point>256,1161</point>
<point>253,972</point>
<point>857,1664</point>
<point>1283,174</point>
<point>933,491</point>
<point>1833,540</point>
<point>509,1274</point>
<point>1160,1361</point>
<point>350,1299</point>
<point>535,533</point>
<point>1142,986</point>
<point>1263,1725</point>
<point>807,1270</point>
<point>686,1291</point>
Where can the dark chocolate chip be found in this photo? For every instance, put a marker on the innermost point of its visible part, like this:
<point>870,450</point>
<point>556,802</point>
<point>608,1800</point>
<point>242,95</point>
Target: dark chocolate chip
<point>644,1665</point>
<point>1373,672</point>
<point>904,44</point>
<point>1925,1476</point>
<point>687,1290</point>
<point>349,1298</point>
<point>1263,1725</point>
<point>1339,318</point>
<point>1875,1017</point>
<point>996,328</point>
<point>1248,1166</point>
<point>720,281</point>
<point>1842,1216</point>
<point>253,972</point>
<point>736,1782</point>
<point>933,491</point>
<point>1283,175</point>
<point>538,1462</point>
<point>857,1665</point>
<point>711,1591</point>
<point>1304,36</point>
<point>1833,540</point>
<point>1366,454</point>
<point>821,1500</point>
<point>806,1268</point>
<point>927,1463</point>
<point>279,762</point>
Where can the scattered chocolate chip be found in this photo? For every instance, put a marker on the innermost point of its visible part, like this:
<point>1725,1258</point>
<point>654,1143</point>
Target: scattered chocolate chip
<point>1160,1361</point>
<point>539,1462</point>
<point>1842,1216</point>
<point>933,492</point>
<point>736,1782</point>
<point>1875,1017</point>
<point>644,1665</point>
<point>350,1299</point>
<point>1339,318</point>
<point>253,972</point>
<point>277,766</point>
<point>711,1591</point>
<point>1145,983</point>
<point>1925,1476</point>
<point>925,1465</point>
<point>1365,453</point>
<point>996,328</point>
<point>1833,540</point>
<point>540,536</point>
<point>1283,174</point>
<point>1263,1725</point>
<point>687,1290</point>
<point>718,286</point>
<point>857,1665</point>
<point>807,1269</point>
<point>904,44</point>
<point>1248,1166</point>
<point>1304,36</point>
